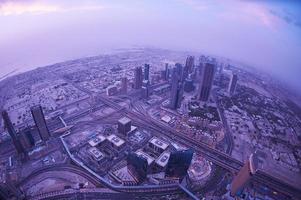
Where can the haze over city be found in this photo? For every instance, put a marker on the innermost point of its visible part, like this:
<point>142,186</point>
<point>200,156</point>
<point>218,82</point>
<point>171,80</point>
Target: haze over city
<point>265,34</point>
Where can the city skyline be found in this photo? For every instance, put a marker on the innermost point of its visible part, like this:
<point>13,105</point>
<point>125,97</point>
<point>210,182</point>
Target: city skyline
<point>39,32</point>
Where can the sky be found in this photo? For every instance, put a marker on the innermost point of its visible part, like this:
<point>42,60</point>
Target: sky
<point>265,34</point>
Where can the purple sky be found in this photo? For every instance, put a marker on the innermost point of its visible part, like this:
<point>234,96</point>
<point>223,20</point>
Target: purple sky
<point>41,32</point>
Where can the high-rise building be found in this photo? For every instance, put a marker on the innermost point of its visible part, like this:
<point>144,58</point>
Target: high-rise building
<point>138,78</point>
<point>188,66</point>
<point>188,85</point>
<point>244,175</point>
<point>205,86</point>
<point>146,71</point>
<point>179,70</point>
<point>176,90</point>
<point>145,88</point>
<point>124,85</point>
<point>124,125</point>
<point>137,167</point>
<point>39,119</point>
<point>179,163</point>
<point>166,72</point>
<point>232,84</point>
<point>13,134</point>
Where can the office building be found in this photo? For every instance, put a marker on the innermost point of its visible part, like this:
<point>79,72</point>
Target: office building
<point>116,142</point>
<point>162,160</point>
<point>178,163</point>
<point>124,125</point>
<point>166,71</point>
<point>124,85</point>
<point>150,160</point>
<point>146,71</point>
<point>12,132</point>
<point>188,66</point>
<point>179,70</point>
<point>138,78</point>
<point>137,167</point>
<point>145,89</point>
<point>39,119</point>
<point>111,90</point>
<point>188,84</point>
<point>244,175</point>
<point>176,94</point>
<point>157,145</point>
<point>232,84</point>
<point>205,86</point>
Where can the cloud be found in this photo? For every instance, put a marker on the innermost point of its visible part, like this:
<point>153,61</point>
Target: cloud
<point>41,7</point>
<point>287,17</point>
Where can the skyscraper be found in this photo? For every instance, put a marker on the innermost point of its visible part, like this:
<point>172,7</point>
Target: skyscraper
<point>166,72</point>
<point>145,88</point>
<point>137,167</point>
<point>232,84</point>
<point>188,66</point>
<point>179,70</point>
<point>39,119</point>
<point>146,71</point>
<point>179,163</point>
<point>244,175</point>
<point>12,132</point>
<point>205,86</point>
<point>124,85</point>
<point>138,78</point>
<point>188,85</point>
<point>176,90</point>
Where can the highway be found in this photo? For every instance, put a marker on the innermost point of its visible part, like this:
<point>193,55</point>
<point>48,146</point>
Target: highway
<point>219,158</point>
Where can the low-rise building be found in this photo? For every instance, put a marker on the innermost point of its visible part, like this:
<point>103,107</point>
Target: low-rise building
<point>162,160</point>
<point>96,140</point>
<point>157,145</point>
<point>116,142</point>
<point>96,154</point>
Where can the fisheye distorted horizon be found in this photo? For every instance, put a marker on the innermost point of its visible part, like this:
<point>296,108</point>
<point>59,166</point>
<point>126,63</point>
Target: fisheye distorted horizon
<point>264,34</point>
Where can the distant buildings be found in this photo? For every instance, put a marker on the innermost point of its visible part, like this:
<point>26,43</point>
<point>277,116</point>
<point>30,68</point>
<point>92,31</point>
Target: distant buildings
<point>207,76</point>
<point>39,119</point>
<point>137,167</point>
<point>13,134</point>
<point>124,125</point>
<point>138,78</point>
<point>179,163</point>
<point>146,71</point>
<point>176,94</point>
<point>166,72</point>
<point>232,84</point>
<point>244,175</point>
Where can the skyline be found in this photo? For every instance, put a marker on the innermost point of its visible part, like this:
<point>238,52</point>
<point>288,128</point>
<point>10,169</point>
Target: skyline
<point>264,35</point>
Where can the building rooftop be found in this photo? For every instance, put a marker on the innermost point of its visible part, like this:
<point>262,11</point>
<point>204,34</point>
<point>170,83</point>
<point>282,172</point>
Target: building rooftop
<point>159,143</point>
<point>96,153</point>
<point>162,160</point>
<point>149,159</point>
<point>124,120</point>
<point>96,140</point>
<point>117,141</point>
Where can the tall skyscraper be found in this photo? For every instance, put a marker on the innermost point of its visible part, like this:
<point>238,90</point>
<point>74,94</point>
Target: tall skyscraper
<point>188,85</point>
<point>166,72</point>
<point>138,78</point>
<point>145,88</point>
<point>124,85</point>
<point>232,84</point>
<point>137,167</point>
<point>244,175</point>
<point>176,90</point>
<point>188,66</point>
<point>146,71</point>
<point>39,119</point>
<point>179,70</point>
<point>206,81</point>
<point>179,163</point>
<point>12,132</point>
